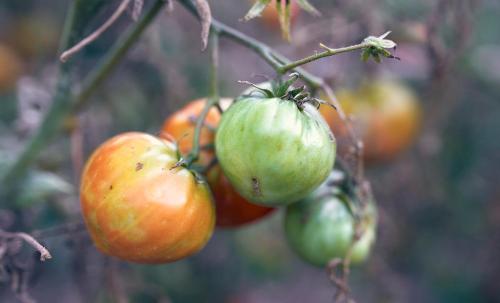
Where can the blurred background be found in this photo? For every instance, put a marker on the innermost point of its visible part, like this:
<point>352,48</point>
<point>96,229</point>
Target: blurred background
<point>439,232</point>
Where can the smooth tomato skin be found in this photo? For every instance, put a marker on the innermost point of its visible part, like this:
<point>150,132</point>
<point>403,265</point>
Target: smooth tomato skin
<point>270,14</point>
<point>387,118</point>
<point>232,210</point>
<point>272,152</point>
<point>321,228</point>
<point>10,68</point>
<point>137,209</point>
<point>181,125</point>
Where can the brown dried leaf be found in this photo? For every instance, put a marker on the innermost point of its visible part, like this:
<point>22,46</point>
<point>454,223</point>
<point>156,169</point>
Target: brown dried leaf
<point>205,19</point>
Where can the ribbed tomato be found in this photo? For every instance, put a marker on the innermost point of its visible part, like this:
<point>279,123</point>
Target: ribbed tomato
<point>320,227</point>
<point>232,209</point>
<point>274,150</point>
<point>386,117</point>
<point>139,209</point>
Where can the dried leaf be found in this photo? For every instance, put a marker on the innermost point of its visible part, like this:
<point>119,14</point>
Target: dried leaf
<point>206,20</point>
<point>257,9</point>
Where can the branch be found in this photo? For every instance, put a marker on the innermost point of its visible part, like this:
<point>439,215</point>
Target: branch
<point>92,37</point>
<point>328,52</point>
<point>44,253</point>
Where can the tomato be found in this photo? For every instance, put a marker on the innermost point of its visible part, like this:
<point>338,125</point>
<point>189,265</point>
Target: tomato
<point>137,208</point>
<point>181,126</point>
<point>273,151</point>
<point>232,209</point>
<point>386,114</point>
<point>270,14</point>
<point>10,68</point>
<point>320,228</point>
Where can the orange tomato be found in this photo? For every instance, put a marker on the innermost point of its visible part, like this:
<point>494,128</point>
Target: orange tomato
<point>386,116</point>
<point>231,209</point>
<point>270,14</point>
<point>137,208</point>
<point>10,68</point>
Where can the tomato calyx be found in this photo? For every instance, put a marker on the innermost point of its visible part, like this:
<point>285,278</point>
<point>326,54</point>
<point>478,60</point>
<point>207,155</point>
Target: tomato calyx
<point>285,90</point>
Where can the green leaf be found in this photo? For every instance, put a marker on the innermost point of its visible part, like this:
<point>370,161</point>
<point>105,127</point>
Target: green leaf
<point>257,9</point>
<point>308,7</point>
<point>41,185</point>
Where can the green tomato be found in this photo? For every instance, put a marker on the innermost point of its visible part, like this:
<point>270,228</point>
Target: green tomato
<point>273,151</point>
<point>320,228</point>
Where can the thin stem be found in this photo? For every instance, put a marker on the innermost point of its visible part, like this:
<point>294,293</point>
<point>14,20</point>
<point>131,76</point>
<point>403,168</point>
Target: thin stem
<point>63,102</point>
<point>119,50</point>
<point>44,252</point>
<point>329,52</point>
<point>212,100</point>
<point>92,37</point>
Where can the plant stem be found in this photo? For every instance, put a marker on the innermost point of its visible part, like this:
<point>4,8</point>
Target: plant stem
<point>213,99</point>
<point>329,52</point>
<point>64,103</point>
<point>272,57</point>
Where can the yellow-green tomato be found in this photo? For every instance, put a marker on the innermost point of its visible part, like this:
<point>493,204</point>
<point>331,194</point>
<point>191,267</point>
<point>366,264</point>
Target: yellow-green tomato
<point>273,151</point>
<point>320,228</point>
<point>138,208</point>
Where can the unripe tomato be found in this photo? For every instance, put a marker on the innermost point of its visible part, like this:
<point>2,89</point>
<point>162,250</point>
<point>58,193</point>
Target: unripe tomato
<point>137,208</point>
<point>10,68</point>
<point>232,209</point>
<point>320,228</point>
<point>386,117</point>
<point>272,151</point>
<point>272,19</point>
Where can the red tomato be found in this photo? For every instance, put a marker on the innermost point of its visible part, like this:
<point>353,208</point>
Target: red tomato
<point>137,208</point>
<point>386,117</point>
<point>232,210</point>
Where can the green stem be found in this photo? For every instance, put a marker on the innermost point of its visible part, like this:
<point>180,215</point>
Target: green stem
<point>329,52</point>
<point>64,103</point>
<point>213,99</point>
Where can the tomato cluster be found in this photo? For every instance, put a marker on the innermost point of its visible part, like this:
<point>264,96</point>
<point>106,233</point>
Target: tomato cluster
<point>270,147</point>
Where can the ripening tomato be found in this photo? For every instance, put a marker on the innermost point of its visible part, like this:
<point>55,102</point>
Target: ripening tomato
<point>137,208</point>
<point>272,19</point>
<point>274,151</point>
<point>386,117</point>
<point>10,68</point>
<point>320,228</point>
<point>232,209</point>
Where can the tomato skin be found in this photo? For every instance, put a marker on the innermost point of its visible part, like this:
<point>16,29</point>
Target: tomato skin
<point>387,117</point>
<point>181,126</point>
<point>137,209</point>
<point>272,152</point>
<point>10,68</point>
<point>232,210</point>
<point>320,228</point>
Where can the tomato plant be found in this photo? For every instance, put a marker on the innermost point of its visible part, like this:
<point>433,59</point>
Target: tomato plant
<point>231,208</point>
<point>137,208</point>
<point>386,117</point>
<point>273,148</point>
<point>10,68</point>
<point>321,227</point>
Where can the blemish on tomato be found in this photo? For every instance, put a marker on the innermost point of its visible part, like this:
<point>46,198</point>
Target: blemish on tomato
<point>139,166</point>
<point>256,186</point>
